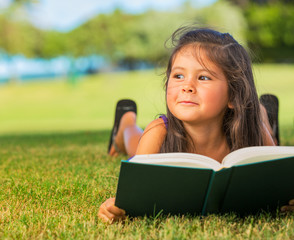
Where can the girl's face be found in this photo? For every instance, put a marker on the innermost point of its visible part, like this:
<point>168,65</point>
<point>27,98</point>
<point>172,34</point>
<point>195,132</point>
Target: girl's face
<point>194,95</point>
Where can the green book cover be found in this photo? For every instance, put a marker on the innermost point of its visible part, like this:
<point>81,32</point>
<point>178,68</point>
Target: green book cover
<point>267,186</point>
<point>145,189</point>
<point>149,189</point>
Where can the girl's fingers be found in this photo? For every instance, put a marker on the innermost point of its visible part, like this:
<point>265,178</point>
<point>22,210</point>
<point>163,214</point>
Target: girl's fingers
<point>110,218</point>
<point>106,216</point>
<point>288,208</point>
<point>103,217</point>
<point>110,207</point>
<point>110,213</point>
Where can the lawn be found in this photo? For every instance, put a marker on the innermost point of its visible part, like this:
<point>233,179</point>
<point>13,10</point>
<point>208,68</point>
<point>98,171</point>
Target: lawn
<point>55,172</point>
<point>52,185</point>
<point>55,106</point>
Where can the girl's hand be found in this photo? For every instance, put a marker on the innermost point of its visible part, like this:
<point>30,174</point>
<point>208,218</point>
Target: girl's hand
<point>108,212</point>
<point>288,208</point>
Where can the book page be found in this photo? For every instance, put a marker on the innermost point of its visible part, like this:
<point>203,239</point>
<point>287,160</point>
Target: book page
<point>257,154</point>
<point>178,159</point>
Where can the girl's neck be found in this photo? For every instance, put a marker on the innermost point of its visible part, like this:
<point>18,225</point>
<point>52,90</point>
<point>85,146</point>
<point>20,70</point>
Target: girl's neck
<point>209,141</point>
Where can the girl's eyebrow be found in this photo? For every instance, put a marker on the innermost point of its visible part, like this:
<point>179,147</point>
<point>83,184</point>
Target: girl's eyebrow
<point>200,70</point>
<point>179,68</point>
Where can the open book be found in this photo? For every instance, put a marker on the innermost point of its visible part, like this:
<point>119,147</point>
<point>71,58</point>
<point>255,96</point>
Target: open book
<point>247,181</point>
<point>238,157</point>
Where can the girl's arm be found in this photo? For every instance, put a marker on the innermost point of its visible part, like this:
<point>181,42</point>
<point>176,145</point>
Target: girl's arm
<point>152,137</point>
<point>150,142</point>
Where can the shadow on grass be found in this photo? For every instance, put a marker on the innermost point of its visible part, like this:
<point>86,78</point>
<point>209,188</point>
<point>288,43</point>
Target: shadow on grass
<point>78,138</point>
<point>88,137</point>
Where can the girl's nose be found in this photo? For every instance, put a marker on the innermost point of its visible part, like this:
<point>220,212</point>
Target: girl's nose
<point>188,88</point>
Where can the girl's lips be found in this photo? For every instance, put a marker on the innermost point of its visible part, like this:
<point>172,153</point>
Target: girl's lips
<point>188,103</point>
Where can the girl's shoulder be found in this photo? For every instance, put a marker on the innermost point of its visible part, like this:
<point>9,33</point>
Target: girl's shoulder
<point>158,124</point>
<point>152,137</point>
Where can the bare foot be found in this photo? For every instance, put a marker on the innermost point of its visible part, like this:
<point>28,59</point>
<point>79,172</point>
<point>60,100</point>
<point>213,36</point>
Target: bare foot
<point>127,120</point>
<point>112,151</point>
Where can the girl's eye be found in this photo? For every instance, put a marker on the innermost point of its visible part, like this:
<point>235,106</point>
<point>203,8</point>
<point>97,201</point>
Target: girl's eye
<point>205,78</point>
<point>179,76</point>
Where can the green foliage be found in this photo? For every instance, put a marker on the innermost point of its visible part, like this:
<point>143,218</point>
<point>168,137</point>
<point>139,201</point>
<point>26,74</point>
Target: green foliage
<point>101,35</point>
<point>127,38</point>
<point>119,37</point>
<point>131,38</point>
<point>271,25</point>
<point>271,29</point>
<point>53,44</point>
<point>225,17</point>
<point>22,38</point>
<point>19,37</point>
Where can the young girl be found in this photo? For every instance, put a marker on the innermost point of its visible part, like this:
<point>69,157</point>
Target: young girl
<point>212,105</point>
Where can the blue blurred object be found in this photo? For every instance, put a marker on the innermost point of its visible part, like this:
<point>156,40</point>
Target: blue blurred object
<point>20,68</point>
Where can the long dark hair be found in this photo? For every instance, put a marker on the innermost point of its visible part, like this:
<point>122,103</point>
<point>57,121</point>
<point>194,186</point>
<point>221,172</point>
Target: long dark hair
<point>242,124</point>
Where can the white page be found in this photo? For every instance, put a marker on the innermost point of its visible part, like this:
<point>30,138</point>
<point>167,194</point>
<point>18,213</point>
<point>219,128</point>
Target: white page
<point>178,159</point>
<point>257,154</point>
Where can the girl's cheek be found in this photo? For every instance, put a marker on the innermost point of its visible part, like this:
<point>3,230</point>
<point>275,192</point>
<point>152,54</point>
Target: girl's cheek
<point>171,95</point>
<point>173,88</point>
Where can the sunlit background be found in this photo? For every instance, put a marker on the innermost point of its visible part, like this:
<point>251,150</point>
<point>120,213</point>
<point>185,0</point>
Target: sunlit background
<point>64,64</point>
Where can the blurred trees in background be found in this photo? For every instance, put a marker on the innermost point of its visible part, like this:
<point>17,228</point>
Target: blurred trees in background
<point>271,31</point>
<point>266,26</point>
<point>18,36</point>
<point>270,28</point>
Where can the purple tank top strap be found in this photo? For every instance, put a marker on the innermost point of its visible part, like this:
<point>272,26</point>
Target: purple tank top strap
<point>164,118</point>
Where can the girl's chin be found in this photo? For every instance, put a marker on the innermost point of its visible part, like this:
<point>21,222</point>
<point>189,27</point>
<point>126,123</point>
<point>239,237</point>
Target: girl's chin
<point>188,118</point>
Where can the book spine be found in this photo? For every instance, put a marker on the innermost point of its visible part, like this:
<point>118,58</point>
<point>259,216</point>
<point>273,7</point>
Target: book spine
<point>208,193</point>
<point>229,181</point>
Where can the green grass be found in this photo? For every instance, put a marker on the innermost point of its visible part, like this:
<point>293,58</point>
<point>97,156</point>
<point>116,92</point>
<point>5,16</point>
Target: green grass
<point>89,105</point>
<point>55,173</point>
<point>52,185</point>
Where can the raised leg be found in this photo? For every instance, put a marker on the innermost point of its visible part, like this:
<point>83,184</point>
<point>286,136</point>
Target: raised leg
<point>128,136</point>
<point>270,103</point>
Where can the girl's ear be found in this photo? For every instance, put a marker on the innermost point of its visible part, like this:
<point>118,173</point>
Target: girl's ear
<point>230,105</point>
